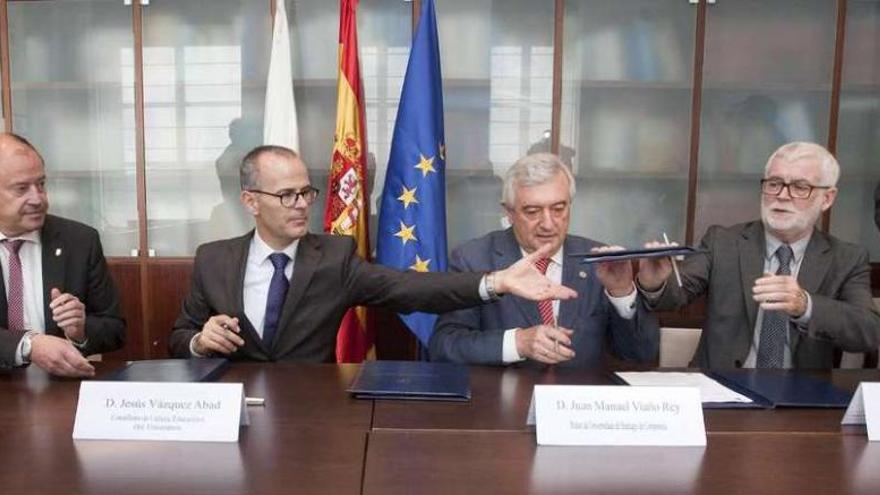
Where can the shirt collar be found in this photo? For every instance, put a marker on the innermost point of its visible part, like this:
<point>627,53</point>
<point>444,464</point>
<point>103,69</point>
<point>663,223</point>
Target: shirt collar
<point>261,250</point>
<point>798,247</point>
<point>32,236</point>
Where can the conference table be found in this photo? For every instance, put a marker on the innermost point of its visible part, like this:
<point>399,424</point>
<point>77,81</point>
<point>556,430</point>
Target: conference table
<point>312,437</point>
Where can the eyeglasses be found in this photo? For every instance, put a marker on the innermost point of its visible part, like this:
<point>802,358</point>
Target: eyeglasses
<point>289,198</point>
<point>799,189</point>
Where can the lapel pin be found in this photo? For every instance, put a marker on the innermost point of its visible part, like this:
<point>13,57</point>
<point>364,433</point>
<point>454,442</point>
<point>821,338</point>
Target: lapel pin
<point>58,252</point>
<point>582,274</point>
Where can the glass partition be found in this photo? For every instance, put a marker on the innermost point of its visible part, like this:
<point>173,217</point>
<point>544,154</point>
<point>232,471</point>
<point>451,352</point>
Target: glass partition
<point>497,59</point>
<point>626,112</point>
<point>856,214</point>
<point>71,74</point>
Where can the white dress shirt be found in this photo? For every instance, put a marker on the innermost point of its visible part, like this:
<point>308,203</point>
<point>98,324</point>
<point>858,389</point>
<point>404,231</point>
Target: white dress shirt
<point>31,255</point>
<point>771,264</point>
<point>625,307</point>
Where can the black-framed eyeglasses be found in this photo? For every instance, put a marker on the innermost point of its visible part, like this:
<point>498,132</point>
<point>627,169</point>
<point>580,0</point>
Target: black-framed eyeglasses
<point>289,198</point>
<point>799,189</point>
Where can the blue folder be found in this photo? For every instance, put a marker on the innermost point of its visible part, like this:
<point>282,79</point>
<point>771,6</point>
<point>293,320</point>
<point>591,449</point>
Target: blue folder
<point>170,370</point>
<point>631,254</point>
<point>417,380</point>
<point>784,388</point>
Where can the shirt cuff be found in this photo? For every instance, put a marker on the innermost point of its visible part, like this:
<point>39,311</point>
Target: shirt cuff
<point>19,358</point>
<point>509,353</point>
<point>626,305</point>
<point>804,319</point>
<point>192,347</point>
<point>484,292</point>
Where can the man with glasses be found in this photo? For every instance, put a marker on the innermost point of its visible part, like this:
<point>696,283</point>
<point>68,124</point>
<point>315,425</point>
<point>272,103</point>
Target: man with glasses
<point>279,292</point>
<point>537,195</point>
<point>780,293</point>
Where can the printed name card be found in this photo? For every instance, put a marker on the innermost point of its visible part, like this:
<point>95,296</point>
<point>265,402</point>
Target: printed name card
<point>865,409</point>
<point>197,412</point>
<point>614,415</point>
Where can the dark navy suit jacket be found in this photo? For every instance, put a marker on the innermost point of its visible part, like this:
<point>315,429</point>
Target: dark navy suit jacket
<point>475,335</point>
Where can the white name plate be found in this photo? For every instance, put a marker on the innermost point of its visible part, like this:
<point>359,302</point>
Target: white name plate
<point>864,408</point>
<point>615,415</point>
<point>198,412</point>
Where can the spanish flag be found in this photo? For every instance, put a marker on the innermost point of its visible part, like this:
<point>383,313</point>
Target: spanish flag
<point>347,208</point>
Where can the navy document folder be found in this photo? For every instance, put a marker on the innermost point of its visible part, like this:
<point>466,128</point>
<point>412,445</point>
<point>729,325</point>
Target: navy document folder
<point>170,370</point>
<point>785,388</point>
<point>630,254</point>
<point>411,380</point>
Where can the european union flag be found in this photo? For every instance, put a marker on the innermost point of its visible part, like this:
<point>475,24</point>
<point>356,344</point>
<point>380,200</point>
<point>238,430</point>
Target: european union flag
<point>412,219</point>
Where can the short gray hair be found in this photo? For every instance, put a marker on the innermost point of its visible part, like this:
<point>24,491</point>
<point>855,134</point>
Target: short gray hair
<point>249,173</point>
<point>802,149</point>
<point>533,170</point>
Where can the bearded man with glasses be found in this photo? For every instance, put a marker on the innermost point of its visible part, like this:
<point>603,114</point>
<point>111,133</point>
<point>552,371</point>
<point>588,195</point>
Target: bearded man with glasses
<point>780,292</point>
<point>280,292</point>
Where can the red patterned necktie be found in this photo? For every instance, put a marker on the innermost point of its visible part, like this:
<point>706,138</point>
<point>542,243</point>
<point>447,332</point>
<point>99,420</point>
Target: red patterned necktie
<point>545,307</point>
<point>15,291</point>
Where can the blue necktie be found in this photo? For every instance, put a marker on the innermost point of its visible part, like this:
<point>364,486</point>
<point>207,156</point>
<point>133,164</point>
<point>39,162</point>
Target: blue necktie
<point>771,347</point>
<point>275,300</point>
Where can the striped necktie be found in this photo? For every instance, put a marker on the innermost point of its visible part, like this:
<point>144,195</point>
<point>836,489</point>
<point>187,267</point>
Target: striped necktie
<point>15,291</point>
<point>545,307</point>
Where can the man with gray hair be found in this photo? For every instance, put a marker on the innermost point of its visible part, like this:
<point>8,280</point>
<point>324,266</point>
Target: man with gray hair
<point>537,195</point>
<point>780,293</point>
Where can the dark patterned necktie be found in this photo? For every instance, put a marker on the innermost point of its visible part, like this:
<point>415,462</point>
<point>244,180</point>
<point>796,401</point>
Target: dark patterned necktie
<point>275,300</point>
<point>545,307</point>
<point>771,348</point>
<point>15,292</point>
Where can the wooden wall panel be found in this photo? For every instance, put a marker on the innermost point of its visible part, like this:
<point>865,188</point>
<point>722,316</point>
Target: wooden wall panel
<point>126,274</point>
<point>169,281</point>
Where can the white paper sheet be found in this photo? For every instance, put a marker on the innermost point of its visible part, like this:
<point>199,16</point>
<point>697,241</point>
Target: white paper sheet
<point>710,390</point>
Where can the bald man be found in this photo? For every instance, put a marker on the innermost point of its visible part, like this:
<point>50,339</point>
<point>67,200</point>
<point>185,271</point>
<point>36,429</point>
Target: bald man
<point>58,301</point>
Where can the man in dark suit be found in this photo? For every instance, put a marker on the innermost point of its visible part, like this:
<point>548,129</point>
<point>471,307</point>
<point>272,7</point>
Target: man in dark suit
<point>537,195</point>
<point>58,302</point>
<point>279,292</point>
<point>780,293</point>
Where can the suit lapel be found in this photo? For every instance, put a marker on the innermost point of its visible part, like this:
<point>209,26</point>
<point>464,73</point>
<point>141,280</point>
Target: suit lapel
<point>240,252</point>
<point>308,255</point>
<point>817,259</point>
<point>54,256</point>
<point>751,247</point>
<point>507,252</point>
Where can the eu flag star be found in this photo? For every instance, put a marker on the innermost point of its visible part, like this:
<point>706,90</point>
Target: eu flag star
<point>406,233</point>
<point>408,196</point>
<point>420,265</point>
<point>426,165</point>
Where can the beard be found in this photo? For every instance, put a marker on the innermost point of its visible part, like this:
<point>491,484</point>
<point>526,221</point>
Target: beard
<point>794,224</point>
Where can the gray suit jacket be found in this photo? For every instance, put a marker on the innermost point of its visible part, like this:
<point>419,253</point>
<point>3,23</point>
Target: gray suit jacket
<point>475,335</point>
<point>73,262</point>
<point>328,278</point>
<point>835,273</point>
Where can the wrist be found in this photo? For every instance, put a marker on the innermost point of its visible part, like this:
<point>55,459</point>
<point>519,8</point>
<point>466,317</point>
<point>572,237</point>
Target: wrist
<point>622,291</point>
<point>27,346</point>
<point>648,286</point>
<point>498,283</point>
